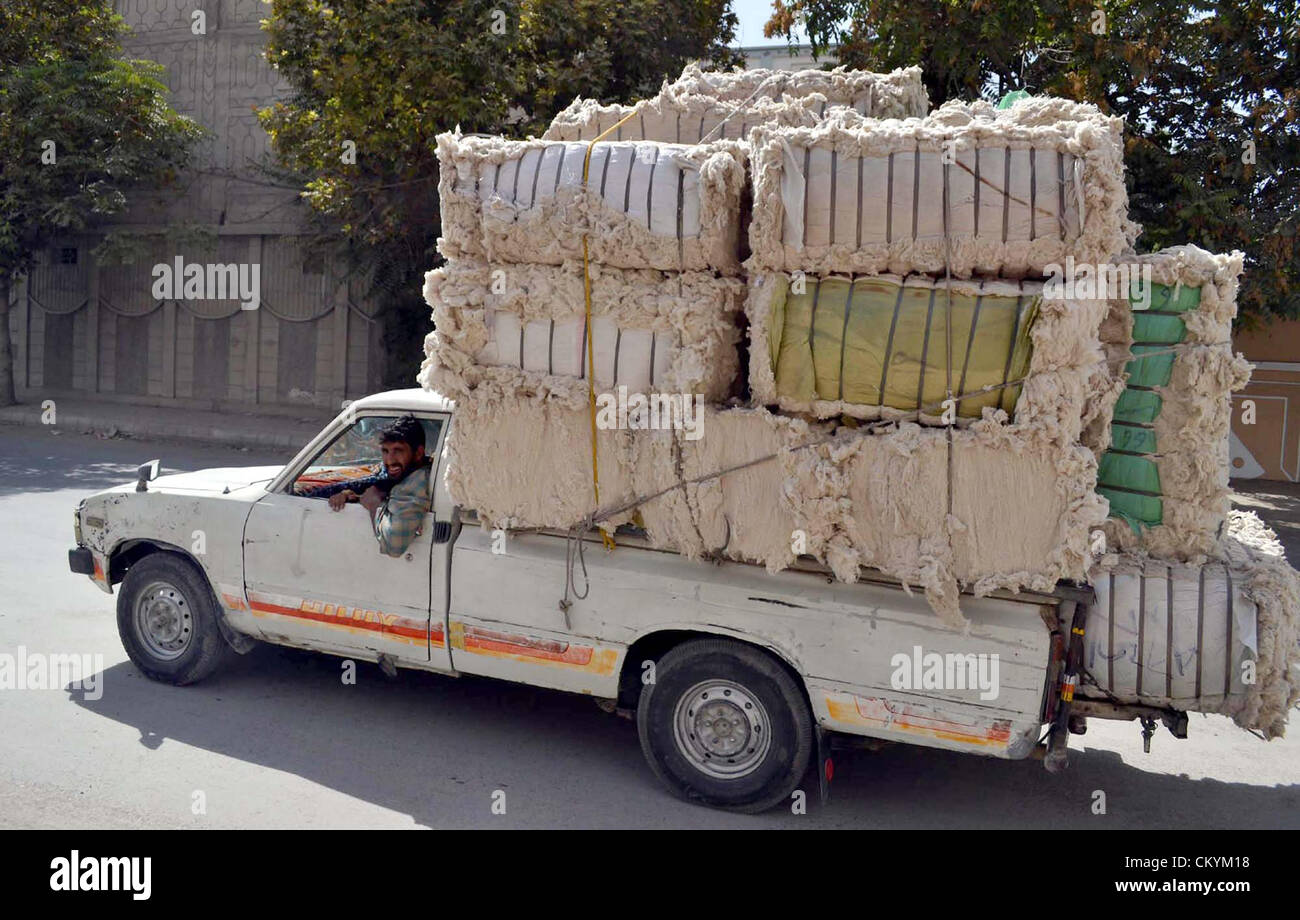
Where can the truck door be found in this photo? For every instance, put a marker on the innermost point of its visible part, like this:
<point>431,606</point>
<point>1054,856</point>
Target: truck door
<point>317,577</point>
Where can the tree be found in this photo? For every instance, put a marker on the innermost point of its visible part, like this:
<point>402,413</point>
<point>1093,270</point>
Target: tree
<point>374,84</point>
<point>1210,92</point>
<point>79,127</point>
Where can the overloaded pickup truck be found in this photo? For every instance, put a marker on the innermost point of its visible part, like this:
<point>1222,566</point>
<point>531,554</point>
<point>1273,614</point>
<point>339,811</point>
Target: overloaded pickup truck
<point>738,679</point>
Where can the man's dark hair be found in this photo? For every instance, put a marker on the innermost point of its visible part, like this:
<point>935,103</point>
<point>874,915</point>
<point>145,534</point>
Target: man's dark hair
<point>406,429</point>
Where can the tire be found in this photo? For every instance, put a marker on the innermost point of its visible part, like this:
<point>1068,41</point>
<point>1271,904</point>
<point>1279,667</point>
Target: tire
<point>168,620</point>
<point>756,758</point>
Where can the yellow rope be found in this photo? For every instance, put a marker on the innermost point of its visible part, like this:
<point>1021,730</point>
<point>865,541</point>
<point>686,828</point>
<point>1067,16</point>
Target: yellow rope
<point>591,359</point>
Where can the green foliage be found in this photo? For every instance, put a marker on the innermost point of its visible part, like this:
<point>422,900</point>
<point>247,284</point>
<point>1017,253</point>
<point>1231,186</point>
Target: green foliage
<point>389,77</point>
<point>79,125</point>
<point>1196,81</point>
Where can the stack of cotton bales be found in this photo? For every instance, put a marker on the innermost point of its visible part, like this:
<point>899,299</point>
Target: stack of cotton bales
<point>1198,609</point>
<point>924,397</point>
<point>1165,473</point>
<point>701,106</point>
<point>660,226</point>
<point>861,305</point>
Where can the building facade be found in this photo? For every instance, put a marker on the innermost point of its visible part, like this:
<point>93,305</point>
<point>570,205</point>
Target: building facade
<point>83,328</point>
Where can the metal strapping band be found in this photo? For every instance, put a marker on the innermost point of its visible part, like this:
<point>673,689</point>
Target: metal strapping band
<point>1200,628</point>
<point>537,171</point>
<point>859,223</point>
<point>889,342</point>
<point>1142,625</point>
<point>916,188</point>
<point>812,331</point>
<point>1060,193</point>
<point>650,190</point>
<point>889,202</point>
<point>627,187</point>
<point>970,340</point>
<point>807,162</point>
<point>604,171</point>
<point>1110,653</point>
<point>1033,194</point>
<point>1227,651</point>
<point>844,333</point>
<point>681,194</point>
<point>925,348</point>
<point>550,350</point>
<point>1169,632</point>
<point>559,170</point>
<point>834,169</point>
<point>1011,350</point>
<point>1006,191</point>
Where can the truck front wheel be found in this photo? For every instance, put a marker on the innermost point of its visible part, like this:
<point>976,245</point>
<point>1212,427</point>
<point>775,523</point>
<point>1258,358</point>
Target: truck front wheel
<point>167,619</point>
<point>723,724</point>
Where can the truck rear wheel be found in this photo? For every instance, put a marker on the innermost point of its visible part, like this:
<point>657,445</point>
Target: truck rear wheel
<point>167,620</point>
<point>723,724</point>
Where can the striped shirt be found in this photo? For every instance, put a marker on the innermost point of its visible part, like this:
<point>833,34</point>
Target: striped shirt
<point>400,517</point>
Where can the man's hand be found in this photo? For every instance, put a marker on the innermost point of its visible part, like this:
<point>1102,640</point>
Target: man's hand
<point>339,499</point>
<point>371,499</point>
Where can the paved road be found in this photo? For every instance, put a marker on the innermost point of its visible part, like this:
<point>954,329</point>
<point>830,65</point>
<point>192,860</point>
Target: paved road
<point>279,741</point>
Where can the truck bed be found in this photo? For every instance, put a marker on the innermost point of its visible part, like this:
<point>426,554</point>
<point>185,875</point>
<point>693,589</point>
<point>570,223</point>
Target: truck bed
<point>506,620</point>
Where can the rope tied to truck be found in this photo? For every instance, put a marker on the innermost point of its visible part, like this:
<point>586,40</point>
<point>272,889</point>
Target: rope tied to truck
<point>591,357</point>
<point>575,534</point>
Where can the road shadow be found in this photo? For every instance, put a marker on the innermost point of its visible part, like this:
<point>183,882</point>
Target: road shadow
<point>437,748</point>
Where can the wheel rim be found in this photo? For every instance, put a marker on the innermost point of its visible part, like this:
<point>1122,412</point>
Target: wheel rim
<point>722,729</point>
<point>163,620</point>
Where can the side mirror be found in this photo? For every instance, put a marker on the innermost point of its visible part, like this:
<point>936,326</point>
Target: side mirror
<point>146,473</point>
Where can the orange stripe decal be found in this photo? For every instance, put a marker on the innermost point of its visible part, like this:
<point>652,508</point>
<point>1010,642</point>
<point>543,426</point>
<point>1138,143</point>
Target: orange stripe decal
<point>352,618</point>
<point>879,713</point>
<point>480,641</point>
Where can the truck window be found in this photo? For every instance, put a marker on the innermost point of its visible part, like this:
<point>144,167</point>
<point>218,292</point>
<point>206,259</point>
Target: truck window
<point>355,453</point>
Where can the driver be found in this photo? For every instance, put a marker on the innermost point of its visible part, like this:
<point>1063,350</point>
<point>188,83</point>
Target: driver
<point>398,499</point>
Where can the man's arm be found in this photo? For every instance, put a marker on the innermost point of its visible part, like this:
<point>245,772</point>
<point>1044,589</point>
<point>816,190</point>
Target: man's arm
<point>397,521</point>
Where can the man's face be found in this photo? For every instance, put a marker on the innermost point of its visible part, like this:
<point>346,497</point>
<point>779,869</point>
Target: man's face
<point>399,457</point>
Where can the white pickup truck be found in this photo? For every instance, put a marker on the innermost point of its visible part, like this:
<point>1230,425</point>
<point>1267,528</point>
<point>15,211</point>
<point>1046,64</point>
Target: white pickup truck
<point>738,678</point>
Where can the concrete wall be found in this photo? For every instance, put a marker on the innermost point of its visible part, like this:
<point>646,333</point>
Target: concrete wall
<point>85,328</point>
<point>1266,415</point>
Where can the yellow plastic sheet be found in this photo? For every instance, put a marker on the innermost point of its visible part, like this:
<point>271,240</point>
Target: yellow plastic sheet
<point>877,341</point>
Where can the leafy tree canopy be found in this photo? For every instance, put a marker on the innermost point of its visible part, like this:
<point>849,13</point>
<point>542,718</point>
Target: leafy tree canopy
<point>373,84</point>
<point>79,127</point>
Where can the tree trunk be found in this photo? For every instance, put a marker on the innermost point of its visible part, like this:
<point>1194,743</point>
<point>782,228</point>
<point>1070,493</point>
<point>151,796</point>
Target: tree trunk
<point>6,347</point>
